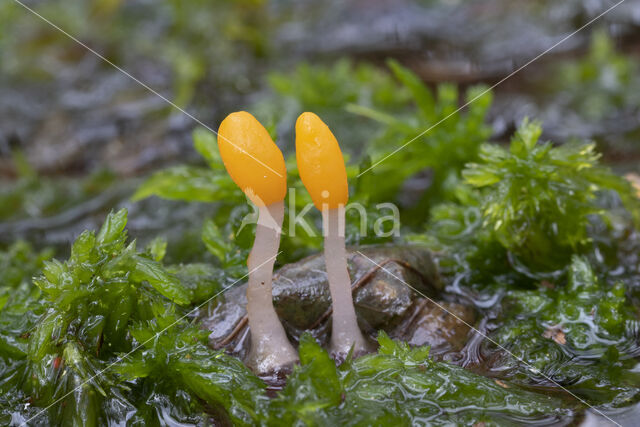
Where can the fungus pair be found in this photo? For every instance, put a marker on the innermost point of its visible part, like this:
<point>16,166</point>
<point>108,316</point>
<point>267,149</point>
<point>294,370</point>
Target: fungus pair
<point>257,166</point>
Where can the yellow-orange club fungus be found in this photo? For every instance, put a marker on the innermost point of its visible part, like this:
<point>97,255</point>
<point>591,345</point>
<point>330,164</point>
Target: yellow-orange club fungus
<point>252,159</point>
<point>323,173</point>
<point>257,166</point>
<point>320,163</point>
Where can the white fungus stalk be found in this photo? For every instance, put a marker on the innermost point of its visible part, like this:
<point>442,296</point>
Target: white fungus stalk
<point>270,348</point>
<point>345,331</point>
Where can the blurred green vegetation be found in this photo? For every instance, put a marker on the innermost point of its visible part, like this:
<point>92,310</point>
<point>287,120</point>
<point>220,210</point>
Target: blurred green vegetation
<point>602,84</point>
<point>202,40</point>
<point>403,89</point>
<point>34,196</point>
<point>328,90</point>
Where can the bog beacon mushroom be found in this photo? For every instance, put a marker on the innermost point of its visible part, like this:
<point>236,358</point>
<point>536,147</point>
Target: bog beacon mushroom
<point>256,165</point>
<point>323,173</point>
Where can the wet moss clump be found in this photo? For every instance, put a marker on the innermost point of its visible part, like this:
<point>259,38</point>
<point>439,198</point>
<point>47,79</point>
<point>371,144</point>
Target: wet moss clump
<point>106,337</point>
<point>581,332</point>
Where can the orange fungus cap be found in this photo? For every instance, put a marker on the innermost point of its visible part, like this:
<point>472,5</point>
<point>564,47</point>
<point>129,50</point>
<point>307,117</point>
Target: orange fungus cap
<point>253,160</point>
<point>320,162</point>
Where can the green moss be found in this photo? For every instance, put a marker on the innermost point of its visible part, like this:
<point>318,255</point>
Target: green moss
<point>104,337</point>
<point>400,386</point>
<point>538,198</point>
<point>581,334</point>
<point>59,340</point>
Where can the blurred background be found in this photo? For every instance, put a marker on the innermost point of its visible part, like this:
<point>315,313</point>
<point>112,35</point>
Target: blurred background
<point>77,136</point>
